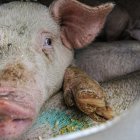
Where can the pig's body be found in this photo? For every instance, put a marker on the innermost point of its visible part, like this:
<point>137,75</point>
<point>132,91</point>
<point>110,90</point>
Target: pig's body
<point>27,76</point>
<point>105,61</point>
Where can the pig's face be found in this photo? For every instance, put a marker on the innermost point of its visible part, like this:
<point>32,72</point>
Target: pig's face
<point>32,63</point>
<point>33,58</point>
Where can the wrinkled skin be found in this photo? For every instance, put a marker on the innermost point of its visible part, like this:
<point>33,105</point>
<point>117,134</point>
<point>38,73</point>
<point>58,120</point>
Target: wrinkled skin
<point>36,47</point>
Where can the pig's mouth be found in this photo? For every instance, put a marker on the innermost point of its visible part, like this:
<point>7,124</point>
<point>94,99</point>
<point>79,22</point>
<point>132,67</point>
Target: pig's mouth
<point>14,118</point>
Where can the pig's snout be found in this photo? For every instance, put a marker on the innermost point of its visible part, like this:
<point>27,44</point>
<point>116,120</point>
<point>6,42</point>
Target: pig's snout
<point>17,105</point>
<point>15,116</point>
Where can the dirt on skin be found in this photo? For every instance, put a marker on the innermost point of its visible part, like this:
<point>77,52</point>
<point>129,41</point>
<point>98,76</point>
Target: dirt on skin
<point>87,94</point>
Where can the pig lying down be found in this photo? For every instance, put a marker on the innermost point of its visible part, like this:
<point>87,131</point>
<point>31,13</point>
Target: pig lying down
<point>107,61</point>
<point>36,47</point>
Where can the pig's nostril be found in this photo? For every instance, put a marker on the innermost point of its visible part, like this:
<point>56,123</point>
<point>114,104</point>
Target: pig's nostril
<point>4,97</point>
<point>3,94</point>
<point>7,95</point>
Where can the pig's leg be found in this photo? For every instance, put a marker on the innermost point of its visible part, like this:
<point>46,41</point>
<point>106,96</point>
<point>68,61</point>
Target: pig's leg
<point>103,61</point>
<point>86,94</point>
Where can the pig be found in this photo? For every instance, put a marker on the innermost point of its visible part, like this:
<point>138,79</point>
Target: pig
<point>104,61</point>
<point>36,46</point>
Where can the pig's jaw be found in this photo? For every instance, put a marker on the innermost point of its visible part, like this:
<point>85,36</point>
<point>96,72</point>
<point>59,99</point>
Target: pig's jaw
<point>14,118</point>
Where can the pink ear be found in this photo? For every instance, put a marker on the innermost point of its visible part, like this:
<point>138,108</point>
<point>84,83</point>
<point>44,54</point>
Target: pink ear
<point>79,23</point>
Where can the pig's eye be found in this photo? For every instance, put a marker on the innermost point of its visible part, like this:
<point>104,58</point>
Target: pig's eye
<point>47,43</point>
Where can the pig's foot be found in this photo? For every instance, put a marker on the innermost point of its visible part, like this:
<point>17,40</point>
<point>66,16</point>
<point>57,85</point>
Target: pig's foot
<point>86,94</point>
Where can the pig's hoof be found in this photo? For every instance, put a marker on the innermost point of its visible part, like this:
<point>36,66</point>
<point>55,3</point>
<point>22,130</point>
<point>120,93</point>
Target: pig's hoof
<point>86,94</point>
<point>94,107</point>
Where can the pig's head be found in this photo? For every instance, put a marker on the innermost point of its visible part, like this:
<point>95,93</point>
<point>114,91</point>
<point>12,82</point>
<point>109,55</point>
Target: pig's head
<point>36,46</point>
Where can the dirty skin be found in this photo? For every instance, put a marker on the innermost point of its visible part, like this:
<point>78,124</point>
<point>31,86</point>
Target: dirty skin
<point>86,94</point>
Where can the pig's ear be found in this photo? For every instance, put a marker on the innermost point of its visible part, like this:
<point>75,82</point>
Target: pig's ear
<point>79,23</point>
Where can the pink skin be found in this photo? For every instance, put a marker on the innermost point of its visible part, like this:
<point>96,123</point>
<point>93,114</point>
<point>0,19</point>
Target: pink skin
<point>17,117</point>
